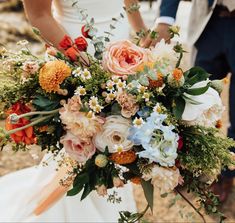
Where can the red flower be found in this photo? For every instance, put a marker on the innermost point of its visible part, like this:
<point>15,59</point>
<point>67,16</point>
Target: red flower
<point>66,42</point>
<point>180,143</point>
<point>81,43</point>
<point>85,32</point>
<point>26,135</point>
<point>72,53</point>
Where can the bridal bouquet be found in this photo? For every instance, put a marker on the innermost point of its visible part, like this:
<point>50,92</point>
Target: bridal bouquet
<point>133,115</point>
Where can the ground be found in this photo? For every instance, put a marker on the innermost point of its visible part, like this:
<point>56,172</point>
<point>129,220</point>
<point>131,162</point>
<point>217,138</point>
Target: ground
<point>13,27</point>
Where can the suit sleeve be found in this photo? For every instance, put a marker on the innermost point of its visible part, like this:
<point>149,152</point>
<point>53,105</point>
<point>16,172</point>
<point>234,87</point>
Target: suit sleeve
<point>168,8</point>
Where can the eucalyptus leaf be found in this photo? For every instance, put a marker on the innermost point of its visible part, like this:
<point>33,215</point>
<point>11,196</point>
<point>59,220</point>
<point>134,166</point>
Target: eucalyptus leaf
<point>144,80</point>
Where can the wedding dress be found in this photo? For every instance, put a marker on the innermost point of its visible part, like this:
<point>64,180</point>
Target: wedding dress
<point>19,190</point>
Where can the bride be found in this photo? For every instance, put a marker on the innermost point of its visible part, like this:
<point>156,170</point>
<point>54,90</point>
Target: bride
<point>21,191</point>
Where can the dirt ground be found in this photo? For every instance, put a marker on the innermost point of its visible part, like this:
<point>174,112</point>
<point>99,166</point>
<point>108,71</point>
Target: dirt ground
<point>13,27</point>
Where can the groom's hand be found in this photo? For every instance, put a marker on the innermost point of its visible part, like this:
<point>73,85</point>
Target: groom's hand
<point>156,35</point>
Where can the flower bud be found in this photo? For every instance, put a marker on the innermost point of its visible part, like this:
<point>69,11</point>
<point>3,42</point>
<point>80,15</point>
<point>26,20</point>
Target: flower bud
<point>217,85</point>
<point>176,79</point>
<point>101,160</point>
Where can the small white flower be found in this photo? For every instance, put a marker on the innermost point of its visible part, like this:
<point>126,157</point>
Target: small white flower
<point>98,108</point>
<point>130,86</point>
<point>109,85</point>
<point>146,97</point>
<point>22,43</point>
<point>141,88</point>
<point>118,148</point>
<point>115,79</point>
<point>86,75</point>
<point>93,102</point>
<point>77,72</point>
<point>157,108</point>
<point>138,122</point>
<point>121,84</point>
<point>80,91</point>
<point>111,96</point>
<point>90,115</point>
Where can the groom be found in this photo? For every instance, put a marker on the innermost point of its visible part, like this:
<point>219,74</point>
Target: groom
<point>212,32</point>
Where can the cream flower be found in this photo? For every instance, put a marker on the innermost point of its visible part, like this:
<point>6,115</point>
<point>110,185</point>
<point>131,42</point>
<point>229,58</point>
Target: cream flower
<point>115,131</point>
<point>207,110</point>
<point>81,91</point>
<point>79,123</point>
<point>128,103</point>
<point>164,179</point>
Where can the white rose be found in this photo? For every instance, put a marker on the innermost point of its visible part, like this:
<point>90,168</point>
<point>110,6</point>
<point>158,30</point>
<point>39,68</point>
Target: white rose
<point>164,179</point>
<point>207,110</point>
<point>114,133</point>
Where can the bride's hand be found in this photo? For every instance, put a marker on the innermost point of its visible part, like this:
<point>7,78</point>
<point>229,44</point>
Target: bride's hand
<point>156,35</point>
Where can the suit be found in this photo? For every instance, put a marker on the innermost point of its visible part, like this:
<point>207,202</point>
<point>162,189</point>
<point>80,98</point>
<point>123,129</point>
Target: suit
<point>213,36</point>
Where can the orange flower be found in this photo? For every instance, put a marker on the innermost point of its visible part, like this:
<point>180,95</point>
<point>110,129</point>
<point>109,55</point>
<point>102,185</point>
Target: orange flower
<point>219,124</point>
<point>52,74</point>
<point>177,74</point>
<point>156,83</point>
<point>25,136</point>
<point>125,157</point>
<point>136,180</point>
<point>72,53</point>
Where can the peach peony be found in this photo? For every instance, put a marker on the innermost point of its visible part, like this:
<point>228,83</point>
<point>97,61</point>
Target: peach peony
<point>124,57</point>
<point>79,150</point>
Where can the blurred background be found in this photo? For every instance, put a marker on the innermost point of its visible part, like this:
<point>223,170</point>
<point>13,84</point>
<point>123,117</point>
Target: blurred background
<point>14,27</point>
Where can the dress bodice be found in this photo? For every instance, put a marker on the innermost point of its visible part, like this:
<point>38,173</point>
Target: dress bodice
<point>101,10</point>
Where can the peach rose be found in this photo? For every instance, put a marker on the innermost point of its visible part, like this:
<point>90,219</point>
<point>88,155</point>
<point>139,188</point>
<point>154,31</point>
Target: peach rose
<point>79,150</point>
<point>124,57</point>
<point>128,104</point>
<point>78,123</point>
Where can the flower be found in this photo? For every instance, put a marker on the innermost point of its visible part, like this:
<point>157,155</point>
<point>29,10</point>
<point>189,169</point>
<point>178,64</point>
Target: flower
<point>93,102</point>
<point>72,53</point>
<point>158,140</point>
<point>180,143</point>
<point>110,97</point>
<point>101,160</point>
<point>138,122</point>
<point>156,83</point>
<point>78,149</point>
<point>165,55</point>
<point>117,182</point>
<point>27,135</point>
<point>79,123</point>
<point>109,85</point>
<point>128,104</point>
<point>81,43</point>
<point>146,97</point>
<point>30,67</point>
<point>176,78</point>
<point>101,190</point>
<point>136,180</point>
<point>52,74</point>
<point>165,179</point>
<point>114,132</point>
<point>81,91</point>
<point>86,75</point>
<point>123,158</point>
<point>85,31</point>
<point>206,110</point>
<point>123,57</point>
<point>66,42</point>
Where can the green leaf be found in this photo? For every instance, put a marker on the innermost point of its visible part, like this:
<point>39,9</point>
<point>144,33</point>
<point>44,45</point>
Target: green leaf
<point>75,190</point>
<point>197,91</point>
<point>148,192</point>
<point>45,104</point>
<point>179,107</point>
<point>81,179</point>
<point>86,191</point>
<point>195,74</point>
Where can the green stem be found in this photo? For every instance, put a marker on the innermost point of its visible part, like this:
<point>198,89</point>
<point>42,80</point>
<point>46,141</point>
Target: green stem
<point>38,113</point>
<point>29,125</point>
<point>189,202</point>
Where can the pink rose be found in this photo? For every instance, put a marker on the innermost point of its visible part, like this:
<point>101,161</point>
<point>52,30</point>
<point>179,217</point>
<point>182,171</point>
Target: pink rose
<point>79,150</point>
<point>124,57</point>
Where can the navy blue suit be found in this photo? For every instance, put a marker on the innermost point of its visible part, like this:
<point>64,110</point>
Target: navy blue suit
<point>215,52</point>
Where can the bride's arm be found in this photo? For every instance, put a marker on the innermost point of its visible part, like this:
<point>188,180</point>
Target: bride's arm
<point>40,16</point>
<point>134,16</point>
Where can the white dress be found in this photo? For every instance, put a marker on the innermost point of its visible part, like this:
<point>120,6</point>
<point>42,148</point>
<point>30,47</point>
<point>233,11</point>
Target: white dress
<point>17,190</point>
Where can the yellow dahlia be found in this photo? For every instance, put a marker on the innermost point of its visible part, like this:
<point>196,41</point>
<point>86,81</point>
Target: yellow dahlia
<point>52,74</point>
<point>124,157</point>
